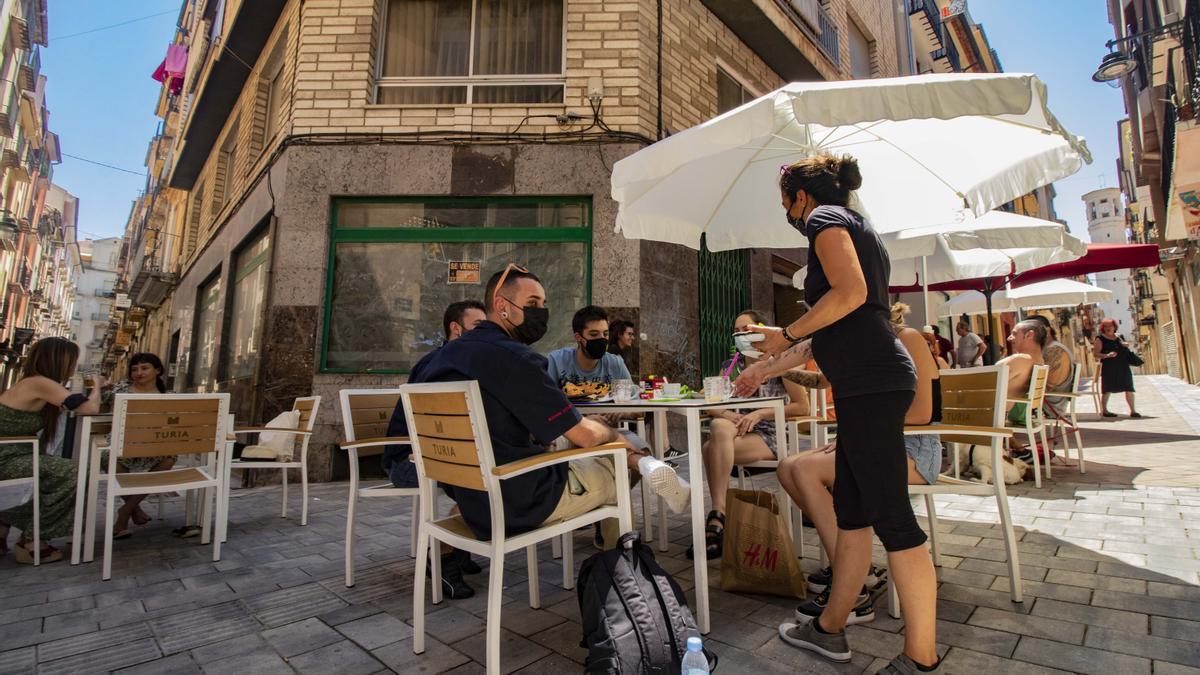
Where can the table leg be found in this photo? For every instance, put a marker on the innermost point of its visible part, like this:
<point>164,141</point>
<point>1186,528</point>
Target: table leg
<point>782,451</point>
<point>696,474</point>
<point>93,493</point>
<point>660,451</point>
<point>82,459</point>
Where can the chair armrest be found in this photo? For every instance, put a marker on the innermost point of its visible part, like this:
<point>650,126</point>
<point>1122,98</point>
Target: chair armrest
<point>18,439</point>
<point>379,440</point>
<point>257,430</point>
<point>804,418</point>
<point>957,429</point>
<point>1019,400</point>
<point>544,460</point>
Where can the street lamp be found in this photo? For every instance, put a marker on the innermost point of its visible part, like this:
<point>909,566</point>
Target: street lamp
<point>1116,64</point>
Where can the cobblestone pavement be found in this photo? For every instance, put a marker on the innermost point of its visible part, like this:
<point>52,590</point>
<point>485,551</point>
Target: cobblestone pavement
<point>1110,560</point>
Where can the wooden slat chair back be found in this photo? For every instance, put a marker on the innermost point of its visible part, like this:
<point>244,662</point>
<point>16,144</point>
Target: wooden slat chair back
<point>442,427</point>
<point>152,425</point>
<point>973,413</point>
<point>366,414</point>
<point>451,445</point>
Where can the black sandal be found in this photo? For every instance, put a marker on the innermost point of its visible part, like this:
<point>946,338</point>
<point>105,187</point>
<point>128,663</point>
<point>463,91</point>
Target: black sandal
<point>714,537</point>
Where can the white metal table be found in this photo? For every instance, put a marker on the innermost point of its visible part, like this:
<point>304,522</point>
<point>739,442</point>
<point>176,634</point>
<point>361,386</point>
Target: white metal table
<point>691,409</point>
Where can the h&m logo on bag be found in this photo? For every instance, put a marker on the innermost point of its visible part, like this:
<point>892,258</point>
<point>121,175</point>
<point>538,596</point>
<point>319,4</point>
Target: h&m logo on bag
<point>764,557</point>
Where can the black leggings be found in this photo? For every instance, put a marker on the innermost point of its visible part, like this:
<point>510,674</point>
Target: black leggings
<point>870,488</point>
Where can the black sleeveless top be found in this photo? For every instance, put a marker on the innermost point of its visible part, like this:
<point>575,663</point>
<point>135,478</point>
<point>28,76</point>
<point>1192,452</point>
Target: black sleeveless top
<point>937,402</point>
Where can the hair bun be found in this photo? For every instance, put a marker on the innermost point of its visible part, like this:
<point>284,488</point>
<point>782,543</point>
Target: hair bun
<point>848,173</point>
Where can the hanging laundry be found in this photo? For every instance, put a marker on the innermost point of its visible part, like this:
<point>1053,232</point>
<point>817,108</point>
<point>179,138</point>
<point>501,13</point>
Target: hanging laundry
<point>176,62</point>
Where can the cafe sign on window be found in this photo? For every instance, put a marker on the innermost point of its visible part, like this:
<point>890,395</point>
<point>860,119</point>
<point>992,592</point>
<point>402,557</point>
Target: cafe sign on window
<point>463,271</point>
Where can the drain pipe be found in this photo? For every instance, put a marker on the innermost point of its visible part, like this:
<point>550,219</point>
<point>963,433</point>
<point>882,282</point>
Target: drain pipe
<point>659,134</point>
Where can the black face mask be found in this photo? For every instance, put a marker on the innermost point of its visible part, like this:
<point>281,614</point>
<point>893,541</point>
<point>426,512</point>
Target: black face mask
<point>595,349</point>
<point>534,327</point>
<point>798,222</point>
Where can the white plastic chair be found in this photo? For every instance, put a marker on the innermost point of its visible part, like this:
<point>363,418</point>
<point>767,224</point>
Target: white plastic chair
<point>451,445</point>
<point>1066,421</point>
<point>308,407</point>
<point>973,413</point>
<point>365,417</point>
<point>153,425</point>
<point>1035,420</point>
<point>34,444</point>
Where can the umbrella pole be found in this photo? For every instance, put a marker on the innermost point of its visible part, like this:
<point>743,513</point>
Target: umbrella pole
<point>987,296</point>
<point>925,289</point>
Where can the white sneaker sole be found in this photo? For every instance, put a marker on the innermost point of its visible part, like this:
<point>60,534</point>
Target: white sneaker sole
<point>839,657</point>
<point>665,483</point>
<point>851,620</point>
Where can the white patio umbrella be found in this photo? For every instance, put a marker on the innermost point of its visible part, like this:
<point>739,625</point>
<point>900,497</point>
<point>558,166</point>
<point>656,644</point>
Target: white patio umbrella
<point>997,244</point>
<point>1052,293</point>
<point>932,149</point>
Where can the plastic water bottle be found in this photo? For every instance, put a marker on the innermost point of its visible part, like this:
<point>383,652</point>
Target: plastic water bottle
<point>694,662</point>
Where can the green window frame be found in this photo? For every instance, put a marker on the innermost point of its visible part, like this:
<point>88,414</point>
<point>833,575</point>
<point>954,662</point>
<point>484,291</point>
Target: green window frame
<point>449,235</point>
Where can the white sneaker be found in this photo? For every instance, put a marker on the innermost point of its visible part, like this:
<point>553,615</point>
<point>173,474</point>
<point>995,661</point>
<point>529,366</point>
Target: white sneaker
<point>665,483</point>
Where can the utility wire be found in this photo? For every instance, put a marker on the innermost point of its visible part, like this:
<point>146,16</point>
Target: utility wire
<point>115,25</point>
<point>107,166</point>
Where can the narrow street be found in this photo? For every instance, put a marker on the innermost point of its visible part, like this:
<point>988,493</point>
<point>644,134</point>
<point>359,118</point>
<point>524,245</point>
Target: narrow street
<point>1110,561</point>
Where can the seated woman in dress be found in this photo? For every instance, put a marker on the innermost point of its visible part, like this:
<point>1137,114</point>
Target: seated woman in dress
<point>808,477</point>
<point>145,377</point>
<point>737,438</point>
<point>32,406</point>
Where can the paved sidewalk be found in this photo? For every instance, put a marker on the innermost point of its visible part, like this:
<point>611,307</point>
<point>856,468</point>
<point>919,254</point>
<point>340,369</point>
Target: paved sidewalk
<point>1110,560</point>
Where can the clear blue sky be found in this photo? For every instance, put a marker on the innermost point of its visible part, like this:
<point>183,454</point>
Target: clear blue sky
<point>101,100</point>
<point>1062,41</point>
<point>101,96</point>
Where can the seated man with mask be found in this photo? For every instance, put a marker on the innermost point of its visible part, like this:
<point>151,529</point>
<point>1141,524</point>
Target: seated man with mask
<point>526,412</point>
<point>587,369</point>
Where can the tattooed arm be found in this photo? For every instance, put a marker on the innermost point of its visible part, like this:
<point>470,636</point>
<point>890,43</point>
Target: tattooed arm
<point>806,378</point>
<point>750,379</point>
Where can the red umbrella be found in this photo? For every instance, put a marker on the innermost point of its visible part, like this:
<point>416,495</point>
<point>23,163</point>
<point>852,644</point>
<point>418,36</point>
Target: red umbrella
<point>1099,258</point>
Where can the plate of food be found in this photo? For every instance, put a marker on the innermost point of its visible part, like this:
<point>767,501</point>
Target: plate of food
<point>587,392</point>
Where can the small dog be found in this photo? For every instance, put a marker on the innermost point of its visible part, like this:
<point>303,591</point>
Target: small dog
<point>976,460</point>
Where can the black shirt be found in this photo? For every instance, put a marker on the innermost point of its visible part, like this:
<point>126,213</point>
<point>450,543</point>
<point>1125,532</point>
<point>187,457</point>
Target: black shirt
<point>525,411</point>
<point>859,353</point>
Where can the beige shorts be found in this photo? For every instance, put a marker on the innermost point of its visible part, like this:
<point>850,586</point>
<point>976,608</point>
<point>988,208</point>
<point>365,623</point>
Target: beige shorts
<point>591,483</point>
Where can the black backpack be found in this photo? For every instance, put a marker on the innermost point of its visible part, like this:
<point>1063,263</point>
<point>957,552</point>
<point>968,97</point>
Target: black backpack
<point>635,617</point>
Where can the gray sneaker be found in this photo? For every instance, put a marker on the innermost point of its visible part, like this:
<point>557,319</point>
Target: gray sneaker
<point>902,665</point>
<point>806,636</point>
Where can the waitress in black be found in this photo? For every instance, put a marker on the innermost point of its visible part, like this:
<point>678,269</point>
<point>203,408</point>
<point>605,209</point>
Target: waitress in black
<point>873,382</point>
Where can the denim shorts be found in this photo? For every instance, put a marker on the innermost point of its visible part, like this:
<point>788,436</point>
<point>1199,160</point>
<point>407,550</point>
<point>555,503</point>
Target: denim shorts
<point>926,453</point>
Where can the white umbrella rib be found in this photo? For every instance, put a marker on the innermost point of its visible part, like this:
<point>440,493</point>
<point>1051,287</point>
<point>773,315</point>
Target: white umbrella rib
<point>729,187</point>
<point>918,162</point>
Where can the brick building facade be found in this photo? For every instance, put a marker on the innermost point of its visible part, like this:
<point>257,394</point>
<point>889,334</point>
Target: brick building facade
<point>318,174</point>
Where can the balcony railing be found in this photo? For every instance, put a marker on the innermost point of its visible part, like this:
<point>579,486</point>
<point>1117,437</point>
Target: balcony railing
<point>930,10</point>
<point>829,36</point>
<point>949,53</point>
<point>30,69</point>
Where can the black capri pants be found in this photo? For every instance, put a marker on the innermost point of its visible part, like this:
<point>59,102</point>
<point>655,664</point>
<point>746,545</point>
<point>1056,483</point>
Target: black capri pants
<point>870,488</point>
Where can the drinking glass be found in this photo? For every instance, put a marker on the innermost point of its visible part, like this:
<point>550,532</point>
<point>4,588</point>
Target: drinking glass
<point>622,391</point>
<point>714,389</point>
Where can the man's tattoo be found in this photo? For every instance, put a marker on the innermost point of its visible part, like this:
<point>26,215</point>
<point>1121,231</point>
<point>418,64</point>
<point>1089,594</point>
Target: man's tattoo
<point>804,378</point>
